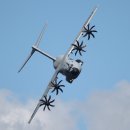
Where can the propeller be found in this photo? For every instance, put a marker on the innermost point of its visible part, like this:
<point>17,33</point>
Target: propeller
<point>57,86</point>
<point>79,47</point>
<point>89,31</point>
<point>47,103</point>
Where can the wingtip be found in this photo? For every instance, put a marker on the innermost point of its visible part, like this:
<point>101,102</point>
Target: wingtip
<point>97,6</point>
<point>29,122</point>
<point>19,71</point>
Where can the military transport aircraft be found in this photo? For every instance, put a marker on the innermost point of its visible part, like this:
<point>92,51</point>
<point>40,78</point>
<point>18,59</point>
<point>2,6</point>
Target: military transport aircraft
<point>63,64</point>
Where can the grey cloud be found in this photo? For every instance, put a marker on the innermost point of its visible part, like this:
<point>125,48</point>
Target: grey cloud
<point>109,110</point>
<point>102,110</point>
<point>14,115</point>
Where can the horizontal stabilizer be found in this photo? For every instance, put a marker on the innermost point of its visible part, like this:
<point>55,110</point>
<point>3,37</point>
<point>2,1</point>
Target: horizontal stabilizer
<point>41,35</point>
<point>32,52</point>
<point>33,47</point>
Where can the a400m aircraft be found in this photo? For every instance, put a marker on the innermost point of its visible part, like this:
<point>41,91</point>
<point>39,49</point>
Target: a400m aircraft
<point>63,64</point>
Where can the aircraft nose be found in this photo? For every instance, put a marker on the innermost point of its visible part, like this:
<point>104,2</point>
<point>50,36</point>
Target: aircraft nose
<point>75,72</point>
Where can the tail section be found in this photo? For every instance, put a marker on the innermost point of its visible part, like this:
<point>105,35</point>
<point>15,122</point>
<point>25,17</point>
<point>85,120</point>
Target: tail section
<point>34,47</point>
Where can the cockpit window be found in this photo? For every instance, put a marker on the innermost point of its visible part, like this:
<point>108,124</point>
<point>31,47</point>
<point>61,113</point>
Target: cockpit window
<point>79,61</point>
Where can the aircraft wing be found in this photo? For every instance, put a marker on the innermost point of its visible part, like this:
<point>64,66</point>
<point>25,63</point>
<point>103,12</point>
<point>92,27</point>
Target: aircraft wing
<point>45,94</point>
<point>81,31</point>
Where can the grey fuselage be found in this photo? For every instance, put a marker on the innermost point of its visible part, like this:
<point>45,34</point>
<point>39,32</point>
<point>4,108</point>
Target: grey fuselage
<point>69,67</point>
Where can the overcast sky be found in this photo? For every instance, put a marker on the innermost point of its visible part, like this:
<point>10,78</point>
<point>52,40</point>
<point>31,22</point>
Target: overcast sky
<point>99,98</point>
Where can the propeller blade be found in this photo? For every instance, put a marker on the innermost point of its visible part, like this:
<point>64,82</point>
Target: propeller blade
<point>92,27</point>
<point>81,43</point>
<point>52,105</point>
<point>49,98</point>
<point>44,108</point>
<point>93,35</point>
<point>53,90</point>
<point>85,35</point>
<point>80,53</point>
<point>57,91</point>
<point>52,102</point>
<point>94,31</point>
<point>61,90</point>
<point>32,52</point>
<point>76,52</point>
<point>48,108</point>
<point>59,82</point>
